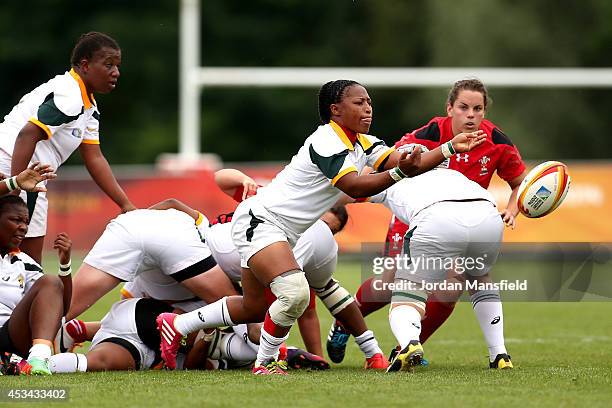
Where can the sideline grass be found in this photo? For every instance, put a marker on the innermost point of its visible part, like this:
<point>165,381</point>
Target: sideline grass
<point>562,353</point>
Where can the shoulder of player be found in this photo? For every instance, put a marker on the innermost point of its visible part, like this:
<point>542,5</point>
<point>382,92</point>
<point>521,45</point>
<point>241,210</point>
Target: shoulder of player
<point>496,135</point>
<point>29,264</point>
<point>325,142</point>
<point>70,96</point>
<point>431,133</point>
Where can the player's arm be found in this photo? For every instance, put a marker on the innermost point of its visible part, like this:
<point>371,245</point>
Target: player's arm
<point>463,142</point>
<point>177,205</point>
<point>310,330</point>
<point>234,182</point>
<point>101,173</point>
<point>63,244</point>
<point>25,144</point>
<point>511,211</point>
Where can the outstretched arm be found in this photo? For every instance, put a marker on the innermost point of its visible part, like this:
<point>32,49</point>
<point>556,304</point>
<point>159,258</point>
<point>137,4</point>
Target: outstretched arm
<point>101,173</point>
<point>28,179</point>
<point>63,244</point>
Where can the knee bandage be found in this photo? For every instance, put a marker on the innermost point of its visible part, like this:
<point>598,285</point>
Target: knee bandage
<point>334,297</point>
<point>292,297</point>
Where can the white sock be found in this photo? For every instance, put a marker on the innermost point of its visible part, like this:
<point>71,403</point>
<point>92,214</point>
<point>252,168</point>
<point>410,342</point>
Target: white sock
<point>488,308</point>
<point>68,363</point>
<point>368,344</point>
<point>405,322</point>
<point>268,347</point>
<point>213,315</point>
<point>235,348</point>
<point>41,351</point>
<point>243,331</point>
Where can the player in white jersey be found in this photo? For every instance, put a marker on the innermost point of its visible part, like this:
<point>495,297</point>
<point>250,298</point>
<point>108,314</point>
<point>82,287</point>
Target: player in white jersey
<point>165,243</point>
<point>55,119</point>
<point>267,226</point>
<point>31,303</point>
<point>454,228</point>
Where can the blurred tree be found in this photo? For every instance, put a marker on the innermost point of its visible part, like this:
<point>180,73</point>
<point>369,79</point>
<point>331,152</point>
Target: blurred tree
<point>139,119</point>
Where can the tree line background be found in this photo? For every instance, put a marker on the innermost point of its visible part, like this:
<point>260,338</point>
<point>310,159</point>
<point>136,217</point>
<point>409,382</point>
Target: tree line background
<point>140,118</point>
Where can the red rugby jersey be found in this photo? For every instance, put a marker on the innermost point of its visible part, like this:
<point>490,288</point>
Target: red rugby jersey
<point>497,153</point>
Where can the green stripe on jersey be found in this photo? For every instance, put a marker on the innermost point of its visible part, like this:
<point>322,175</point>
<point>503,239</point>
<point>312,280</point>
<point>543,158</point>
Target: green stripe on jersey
<point>51,115</point>
<point>329,166</point>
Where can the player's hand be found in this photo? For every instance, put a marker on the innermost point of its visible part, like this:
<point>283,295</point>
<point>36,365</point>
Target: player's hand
<point>30,177</point>
<point>63,244</point>
<point>410,165</point>
<point>249,187</point>
<point>464,142</point>
<point>508,218</point>
<point>127,208</point>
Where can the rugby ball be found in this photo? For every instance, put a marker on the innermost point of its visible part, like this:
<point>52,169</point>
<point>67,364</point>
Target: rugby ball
<point>543,189</point>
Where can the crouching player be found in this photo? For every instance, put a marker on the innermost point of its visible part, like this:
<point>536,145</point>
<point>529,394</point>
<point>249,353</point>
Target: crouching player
<point>452,219</point>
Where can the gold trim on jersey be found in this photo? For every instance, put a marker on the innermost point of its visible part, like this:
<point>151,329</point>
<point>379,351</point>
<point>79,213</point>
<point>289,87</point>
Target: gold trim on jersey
<point>343,173</point>
<point>126,294</point>
<point>92,142</point>
<point>87,98</point>
<point>383,157</point>
<point>41,125</point>
<point>347,142</point>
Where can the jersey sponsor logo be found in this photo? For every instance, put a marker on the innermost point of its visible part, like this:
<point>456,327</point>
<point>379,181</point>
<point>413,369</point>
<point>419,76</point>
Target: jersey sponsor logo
<point>21,280</point>
<point>76,132</point>
<point>496,320</point>
<point>484,160</point>
<point>465,157</point>
<point>91,129</point>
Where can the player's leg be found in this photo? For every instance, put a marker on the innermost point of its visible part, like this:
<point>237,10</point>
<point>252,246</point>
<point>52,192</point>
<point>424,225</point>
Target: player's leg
<point>211,285</point>
<point>342,306</point>
<point>105,356</point>
<point>407,310</point>
<point>310,327</point>
<point>373,293</point>
<point>88,286</point>
<point>37,204</point>
<point>35,321</point>
<point>440,305</point>
<point>487,303</point>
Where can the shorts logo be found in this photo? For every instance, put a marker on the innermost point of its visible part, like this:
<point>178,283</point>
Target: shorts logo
<point>496,320</point>
<point>418,326</point>
<point>6,278</point>
<point>254,223</point>
<point>76,133</point>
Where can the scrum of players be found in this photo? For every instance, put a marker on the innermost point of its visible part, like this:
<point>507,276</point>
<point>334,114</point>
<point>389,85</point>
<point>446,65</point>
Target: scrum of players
<point>223,293</point>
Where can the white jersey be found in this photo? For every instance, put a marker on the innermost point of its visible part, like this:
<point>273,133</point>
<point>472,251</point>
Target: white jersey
<point>63,109</point>
<point>304,189</point>
<point>316,252</point>
<point>410,196</point>
<point>18,272</point>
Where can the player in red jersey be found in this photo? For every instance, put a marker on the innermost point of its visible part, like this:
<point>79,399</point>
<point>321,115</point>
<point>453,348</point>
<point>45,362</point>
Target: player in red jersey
<point>465,108</point>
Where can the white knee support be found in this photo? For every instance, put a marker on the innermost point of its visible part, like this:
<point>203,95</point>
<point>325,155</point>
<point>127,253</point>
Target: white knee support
<point>292,297</point>
<point>334,297</point>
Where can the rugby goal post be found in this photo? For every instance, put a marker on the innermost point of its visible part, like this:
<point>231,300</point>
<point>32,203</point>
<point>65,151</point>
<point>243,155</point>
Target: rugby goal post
<point>193,78</point>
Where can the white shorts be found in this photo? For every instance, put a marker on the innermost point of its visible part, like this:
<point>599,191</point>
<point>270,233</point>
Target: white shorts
<point>37,203</point>
<point>254,228</point>
<point>460,236</point>
<point>165,241</point>
<point>133,330</point>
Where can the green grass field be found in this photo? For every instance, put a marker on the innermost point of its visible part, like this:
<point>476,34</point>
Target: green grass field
<point>562,353</point>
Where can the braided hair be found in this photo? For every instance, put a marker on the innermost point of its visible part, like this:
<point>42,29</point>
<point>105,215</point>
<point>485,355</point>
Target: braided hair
<point>90,43</point>
<point>330,93</point>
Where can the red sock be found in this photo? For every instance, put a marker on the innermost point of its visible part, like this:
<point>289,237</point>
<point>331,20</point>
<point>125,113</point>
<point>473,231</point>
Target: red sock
<point>77,330</point>
<point>369,299</point>
<point>436,313</point>
<point>274,329</point>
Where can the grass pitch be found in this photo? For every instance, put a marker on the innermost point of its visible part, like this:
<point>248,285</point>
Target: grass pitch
<point>562,353</point>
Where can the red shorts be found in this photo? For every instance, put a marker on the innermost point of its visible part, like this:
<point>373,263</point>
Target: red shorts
<point>395,237</point>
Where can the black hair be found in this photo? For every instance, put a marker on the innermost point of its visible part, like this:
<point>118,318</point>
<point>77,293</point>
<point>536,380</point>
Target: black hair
<point>470,84</point>
<point>330,93</point>
<point>10,199</point>
<point>340,212</point>
<point>90,43</point>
